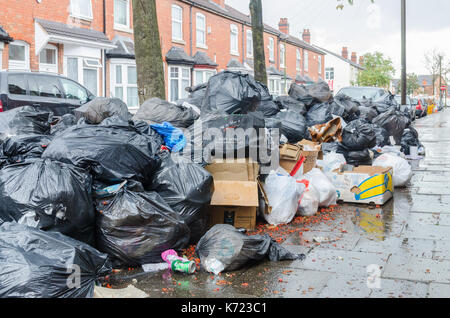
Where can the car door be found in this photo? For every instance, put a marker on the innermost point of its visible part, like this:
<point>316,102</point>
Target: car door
<point>75,94</point>
<point>46,93</point>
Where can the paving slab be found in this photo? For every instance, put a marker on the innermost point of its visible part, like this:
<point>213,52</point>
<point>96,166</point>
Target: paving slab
<point>437,290</point>
<point>398,288</point>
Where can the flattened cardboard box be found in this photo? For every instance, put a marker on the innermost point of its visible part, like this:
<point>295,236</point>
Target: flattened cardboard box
<point>235,196</point>
<point>365,184</point>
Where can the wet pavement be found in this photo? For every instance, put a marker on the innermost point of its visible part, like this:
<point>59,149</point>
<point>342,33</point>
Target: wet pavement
<point>401,249</point>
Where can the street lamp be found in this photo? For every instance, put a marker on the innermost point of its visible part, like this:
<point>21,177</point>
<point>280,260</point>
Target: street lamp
<point>403,9</point>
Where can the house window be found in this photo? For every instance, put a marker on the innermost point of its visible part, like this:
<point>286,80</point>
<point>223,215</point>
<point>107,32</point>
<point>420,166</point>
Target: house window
<point>298,60</point>
<point>320,64</point>
<point>177,23</point>
<point>202,76</point>
<point>124,84</point>
<point>121,13</point>
<point>81,9</point>
<point>19,55</point>
<point>48,59</point>
<point>271,50</point>
<point>274,86</point>
<point>234,40</point>
<point>201,30</point>
<point>249,43</point>
<point>306,61</point>
<point>179,79</point>
<point>285,84</point>
<point>72,68</point>
<point>282,55</point>
<point>84,71</point>
<point>329,73</point>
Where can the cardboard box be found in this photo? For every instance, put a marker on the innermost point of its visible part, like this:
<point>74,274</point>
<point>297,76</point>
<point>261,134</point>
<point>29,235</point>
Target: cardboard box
<point>364,184</point>
<point>235,197</point>
<point>291,154</point>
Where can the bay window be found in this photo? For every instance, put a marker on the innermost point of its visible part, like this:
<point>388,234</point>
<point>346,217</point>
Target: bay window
<point>202,76</point>
<point>274,86</point>
<point>124,82</point>
<point>85,71</point>
<point>179,79</point>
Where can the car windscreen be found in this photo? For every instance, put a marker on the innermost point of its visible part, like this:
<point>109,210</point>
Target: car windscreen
<point>360,93</point>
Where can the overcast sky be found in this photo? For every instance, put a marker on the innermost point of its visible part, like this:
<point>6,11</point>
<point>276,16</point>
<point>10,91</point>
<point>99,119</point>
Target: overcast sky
<point>366,27</point>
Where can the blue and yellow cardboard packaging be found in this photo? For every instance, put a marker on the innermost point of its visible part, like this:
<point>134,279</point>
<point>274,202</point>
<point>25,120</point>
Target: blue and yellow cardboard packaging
<point>364,184</point>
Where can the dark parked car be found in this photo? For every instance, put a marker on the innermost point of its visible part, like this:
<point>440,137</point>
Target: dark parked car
<point>52,92</point>
<point>362,94</point>
<point>408,108</point>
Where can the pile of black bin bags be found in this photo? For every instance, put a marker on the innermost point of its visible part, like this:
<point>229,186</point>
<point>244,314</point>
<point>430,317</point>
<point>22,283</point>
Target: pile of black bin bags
<point>100,189</point>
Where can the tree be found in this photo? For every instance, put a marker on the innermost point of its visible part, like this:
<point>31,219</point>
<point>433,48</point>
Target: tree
<point>378,70</point>
<point>412,84</point>
<point>258,41</point>
<point>436,65</point>
<point>149,62</point>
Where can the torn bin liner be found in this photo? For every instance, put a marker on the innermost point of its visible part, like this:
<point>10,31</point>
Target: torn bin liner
<point>359,135</point>
<point>232,93</point>
<point>101,108</point>
<point>293,126</point>
<point>157,111</point>
<point>112,152</point>
<point>49,195</point>
<point>24,120</point>
<point>224,248</point>
<point>37,264</point>
<point>187,188</point>
<point>135,226</point>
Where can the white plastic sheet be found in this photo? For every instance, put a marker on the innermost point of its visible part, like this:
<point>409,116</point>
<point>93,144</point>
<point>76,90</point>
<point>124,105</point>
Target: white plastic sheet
<point>327,191</point>
<point>402,169</point>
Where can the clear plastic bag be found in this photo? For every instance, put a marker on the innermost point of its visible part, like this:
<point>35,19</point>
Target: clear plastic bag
<point>327,191</point>
<point>309,201</point>
<point>402,169</point>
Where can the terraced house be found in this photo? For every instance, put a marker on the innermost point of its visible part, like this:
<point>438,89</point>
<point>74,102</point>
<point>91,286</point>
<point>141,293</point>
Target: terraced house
<point>91,42</point>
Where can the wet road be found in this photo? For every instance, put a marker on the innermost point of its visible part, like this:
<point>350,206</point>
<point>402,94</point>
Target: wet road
<point>399,250</point>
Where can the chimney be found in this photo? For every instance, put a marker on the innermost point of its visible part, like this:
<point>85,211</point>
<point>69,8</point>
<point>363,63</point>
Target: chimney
<point>345,52</point>
<point>221,3</point>
<point>283,26</point>
<point>354,57</point>
<point>306,36</point>
<point>361,60</point>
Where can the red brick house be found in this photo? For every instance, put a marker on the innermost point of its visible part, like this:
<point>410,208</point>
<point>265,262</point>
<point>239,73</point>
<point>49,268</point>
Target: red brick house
<point>91,41</point>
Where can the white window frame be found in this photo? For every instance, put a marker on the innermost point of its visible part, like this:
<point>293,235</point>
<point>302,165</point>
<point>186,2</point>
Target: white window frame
<point>298,60</point>
<point>45,67</point>
<point>275,88</point>
<point>180,80</point>
<point>282,55</point>
<point>175,7</point>
<point>249,44</point>
<point>123,27</point>
<point>124,64</point>
<point>234,31</point>
<point>271,47</point>
<point>306,61</point>
<point>20,65</point>
<point>203,71</point>
<point>197,30</point>
<point>85,63</point>
<point>328,72</point>
<point>80,16</point>
<point>319,63</point>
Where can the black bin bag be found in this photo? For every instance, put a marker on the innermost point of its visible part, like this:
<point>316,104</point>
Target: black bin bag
<point>318,114</point>
<point>48,195</point>
<point>37,264</point>
<point>410,138</point>
<point>224,248</point>
<point>21,147</point>
<point>232,93</point>
<point>187,188</point>
<point>112,152</point>
<point>24,120</point>
<point>101,108</point>
<point>64,122</point>
<point>359,135</point>
<point>135,226</point>
<point>293,126</point>
<point>355,157</point>
<point>156,110</point>
<point>394,122</point>
<point>289,103</point>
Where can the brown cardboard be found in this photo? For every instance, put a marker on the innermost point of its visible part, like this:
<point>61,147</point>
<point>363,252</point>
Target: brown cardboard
<point>290,154</point>
<point>267,206</point>
<point>234,170</point>
<point>235,193</point>
<point>244,217</point>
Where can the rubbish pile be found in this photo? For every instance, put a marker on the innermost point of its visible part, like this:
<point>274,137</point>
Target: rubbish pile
<point>198,171</point>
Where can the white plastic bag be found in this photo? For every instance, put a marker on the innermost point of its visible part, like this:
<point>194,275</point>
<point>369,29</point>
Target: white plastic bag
<point>401,169</point>
<point>327,191</point>
<point>331,161</point>
<point>309,201</point>
<point>283,193</point>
